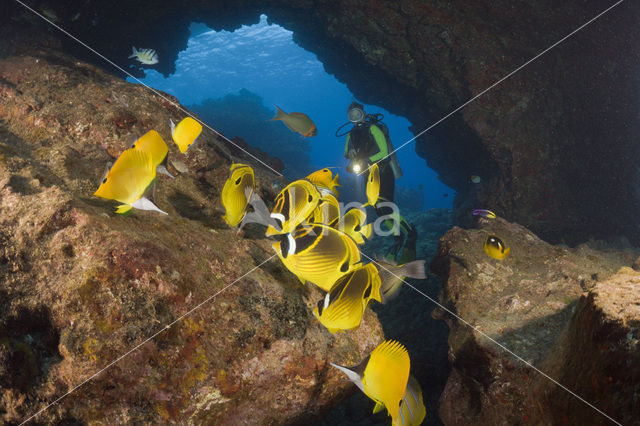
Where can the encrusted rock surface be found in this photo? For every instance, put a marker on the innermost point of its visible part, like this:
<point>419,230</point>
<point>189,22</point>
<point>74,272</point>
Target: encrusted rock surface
<point>81,286</point>
<point>524,303</point>
<point>598,356</point>
<point>566,122</point>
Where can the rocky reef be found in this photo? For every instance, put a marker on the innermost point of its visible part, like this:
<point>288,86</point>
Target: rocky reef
<point>564,123</point>
<point>568,312</point>
<point>159,318</point>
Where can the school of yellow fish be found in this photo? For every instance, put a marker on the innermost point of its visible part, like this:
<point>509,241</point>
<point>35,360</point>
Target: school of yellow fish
<point>319,244</point>
<point>314,240</point>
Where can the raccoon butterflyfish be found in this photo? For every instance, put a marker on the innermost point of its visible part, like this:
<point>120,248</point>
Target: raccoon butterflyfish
<point>392,276</point>
<point>484,213</point>
<point>152,143</point>
<point>383,375</point>
<point>373,185</point>
<point>412,409</point>
<point>185,133</point>
<point>318,253</point>
<point>145,56</point>
<point>296,122</point>
<point>495,248</point>
<point>343,306</point>
<point>236,193</point>
<point>327,212</point>
<point>293,205</point>
<point>324,180</point>
<point>352,224</point>
<point>128,180</point>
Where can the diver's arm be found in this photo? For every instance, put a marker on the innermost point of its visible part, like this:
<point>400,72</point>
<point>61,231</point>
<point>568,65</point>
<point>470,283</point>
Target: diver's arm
<point>381,141</point>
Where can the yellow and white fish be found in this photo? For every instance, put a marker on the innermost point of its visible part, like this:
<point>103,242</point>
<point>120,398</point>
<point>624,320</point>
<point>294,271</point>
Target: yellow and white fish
<point>145,56</point>
<point>185,133</point>
<point>237,192</point>
<point>392,275</point>
<point>343,306</point>
<point>293,205</point>
<point>495,248</point>
<point>324,180</point>
<point>296,122</point>
<point>412,409</point>
<point>127,181</point>
<point>327,212</point>
<point>373,185</point>
<point>352,224</point>
<point>382,376</point>
<point>318,253</point>
<point>152,143</point>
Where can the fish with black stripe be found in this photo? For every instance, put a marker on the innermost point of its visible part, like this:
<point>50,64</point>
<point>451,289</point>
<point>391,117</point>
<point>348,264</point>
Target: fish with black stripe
<point>318,253</point>
<point>293,205</point>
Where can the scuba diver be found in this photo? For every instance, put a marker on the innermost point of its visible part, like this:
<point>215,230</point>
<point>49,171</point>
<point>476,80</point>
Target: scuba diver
<point>368,142</point>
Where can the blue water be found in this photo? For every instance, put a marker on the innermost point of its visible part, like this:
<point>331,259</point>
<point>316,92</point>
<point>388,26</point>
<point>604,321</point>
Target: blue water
<point>264,59</point>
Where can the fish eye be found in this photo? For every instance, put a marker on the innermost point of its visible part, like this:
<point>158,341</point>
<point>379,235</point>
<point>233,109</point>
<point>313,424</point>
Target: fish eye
<point>367,292</point>
<point>320,306</point>
<point>104,180</point>
<point>238,180</point>
<point>357,228</point>
<point>344,267</point>
<point>133,146</point>
<point>310,198</point>
<point>326,170</point>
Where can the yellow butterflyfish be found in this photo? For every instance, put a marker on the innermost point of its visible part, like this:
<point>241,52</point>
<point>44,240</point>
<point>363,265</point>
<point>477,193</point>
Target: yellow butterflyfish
<point>327,212</point>
<point>324,180</point>
<point>128,179</point>
<point>185,133</point>
<point>352,224</point>
<point>237,192</point>
<point>293,205</point>
<point>343,306</point>
<point>383,375</point>
<point>495,248</point>
<point>373,185</point>
<point>318,253</point>
<point>152,143</point>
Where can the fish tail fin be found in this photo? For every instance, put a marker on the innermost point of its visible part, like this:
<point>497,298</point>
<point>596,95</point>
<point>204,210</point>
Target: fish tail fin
<point>367,231</point>
<point>124,208</point>
<point>506,252</point>
<point>134,52</point>
<point>335,181</point>
<point>279,114</point>
<point>413,269</point>
<point>162,169</point>
<point>379,407</point>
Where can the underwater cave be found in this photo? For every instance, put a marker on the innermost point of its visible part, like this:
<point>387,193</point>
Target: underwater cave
<point>527,109</point>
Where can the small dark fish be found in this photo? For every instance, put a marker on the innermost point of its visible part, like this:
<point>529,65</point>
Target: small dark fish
<point>484,213</point>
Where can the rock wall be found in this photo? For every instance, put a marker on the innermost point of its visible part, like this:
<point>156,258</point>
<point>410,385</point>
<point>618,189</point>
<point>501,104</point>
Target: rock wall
<point>81,286</point>
<point>535,304</point>
<point>563,124</point>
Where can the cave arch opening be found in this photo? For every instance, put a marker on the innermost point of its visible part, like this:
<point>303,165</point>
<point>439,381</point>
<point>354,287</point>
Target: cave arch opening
<point>233,79</point>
